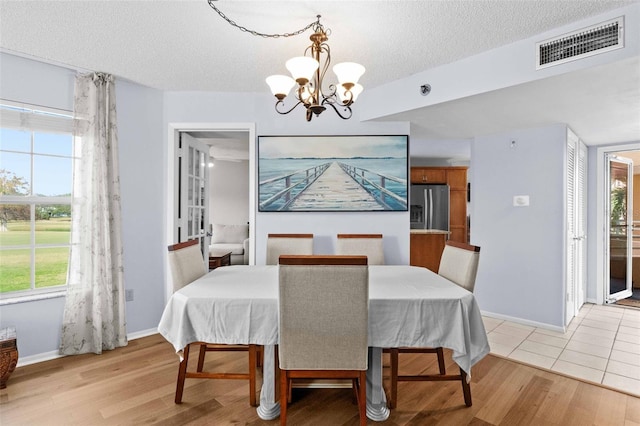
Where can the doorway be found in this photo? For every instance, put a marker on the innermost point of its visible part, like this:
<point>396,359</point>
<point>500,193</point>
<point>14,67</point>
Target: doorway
<point>222,131</point>
<point>618,225</point>
<point>228,178</point>
<point>624,232</point>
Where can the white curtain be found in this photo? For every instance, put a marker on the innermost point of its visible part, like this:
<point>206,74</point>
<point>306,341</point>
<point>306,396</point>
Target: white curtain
<point>94,313</point>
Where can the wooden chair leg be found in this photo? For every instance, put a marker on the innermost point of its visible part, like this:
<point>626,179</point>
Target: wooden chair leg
<point>284,393</point>
<point>393,358</point>
<point>252,375</point>
<point>201,355</point>
<point>182,374</point>
<point>362,398</point>
<point>466,388</point>
<point>277,375</point>
<point>441,366</point>
<point>260,355</point>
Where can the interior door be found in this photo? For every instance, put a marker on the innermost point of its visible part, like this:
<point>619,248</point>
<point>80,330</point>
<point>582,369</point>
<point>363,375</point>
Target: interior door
<point>576,225</point>
<point>193,191</point>
<point>620,230</point>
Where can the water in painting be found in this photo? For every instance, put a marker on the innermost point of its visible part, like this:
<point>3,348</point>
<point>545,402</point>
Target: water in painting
<point>339,173</point>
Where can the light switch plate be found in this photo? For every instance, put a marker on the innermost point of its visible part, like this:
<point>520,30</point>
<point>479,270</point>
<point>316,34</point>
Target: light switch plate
<point>520,200</point>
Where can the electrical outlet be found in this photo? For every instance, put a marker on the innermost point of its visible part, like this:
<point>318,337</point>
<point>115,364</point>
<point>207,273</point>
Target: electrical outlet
<point>128,295</point>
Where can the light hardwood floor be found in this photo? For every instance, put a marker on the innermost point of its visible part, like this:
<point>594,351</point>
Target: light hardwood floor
<point>136,384</point>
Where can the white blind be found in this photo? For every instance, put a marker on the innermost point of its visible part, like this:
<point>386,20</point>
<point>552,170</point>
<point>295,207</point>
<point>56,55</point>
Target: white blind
<point>30,119</point>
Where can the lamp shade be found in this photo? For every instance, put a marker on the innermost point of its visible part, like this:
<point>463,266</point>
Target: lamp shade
<point>280,85</point>
<point>348,72</point>
<point>344,96</point>
<point>302,68</point>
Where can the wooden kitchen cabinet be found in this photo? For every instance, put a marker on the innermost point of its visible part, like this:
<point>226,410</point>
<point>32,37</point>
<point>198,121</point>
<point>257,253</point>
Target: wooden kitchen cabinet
<point>458,215</point>
<point>428,175</point>
<point>426,249</point>
<point>457,178</point>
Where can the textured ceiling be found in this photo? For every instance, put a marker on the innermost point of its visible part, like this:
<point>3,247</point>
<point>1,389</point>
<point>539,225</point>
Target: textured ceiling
<point>185,45</point>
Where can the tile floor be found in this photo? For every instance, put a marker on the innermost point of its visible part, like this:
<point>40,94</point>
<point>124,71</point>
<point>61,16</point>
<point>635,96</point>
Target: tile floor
<point>602,345</point>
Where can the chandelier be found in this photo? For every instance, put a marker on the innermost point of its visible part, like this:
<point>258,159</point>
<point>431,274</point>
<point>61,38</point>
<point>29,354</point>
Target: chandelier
<point>308,73</point>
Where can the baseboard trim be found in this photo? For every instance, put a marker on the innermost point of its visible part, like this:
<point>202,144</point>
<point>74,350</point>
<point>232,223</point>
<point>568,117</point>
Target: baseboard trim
<point>524,321</point>
<point>142,333</point>
<point>48,356</point>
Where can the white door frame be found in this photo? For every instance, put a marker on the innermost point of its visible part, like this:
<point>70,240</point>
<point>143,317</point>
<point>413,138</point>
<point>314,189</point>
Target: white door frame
<point>601,163</point>
<point>172,146</point>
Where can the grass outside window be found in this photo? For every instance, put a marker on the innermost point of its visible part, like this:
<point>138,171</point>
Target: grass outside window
<point>50,261</point>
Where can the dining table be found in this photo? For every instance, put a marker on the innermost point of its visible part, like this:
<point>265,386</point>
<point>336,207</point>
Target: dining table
<point>409,306</point>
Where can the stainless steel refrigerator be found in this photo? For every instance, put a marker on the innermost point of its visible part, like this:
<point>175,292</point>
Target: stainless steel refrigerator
<point>429,208</point>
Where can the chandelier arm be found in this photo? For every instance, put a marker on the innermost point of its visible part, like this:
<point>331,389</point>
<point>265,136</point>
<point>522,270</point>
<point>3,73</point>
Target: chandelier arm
<point>331,103</point>
<point>283,112</point>
<point>334,90</point>
<point>334,94</point>
<point>314,25</point>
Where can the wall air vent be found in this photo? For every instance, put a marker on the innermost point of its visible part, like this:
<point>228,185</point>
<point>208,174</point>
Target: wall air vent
<point>599,38</point>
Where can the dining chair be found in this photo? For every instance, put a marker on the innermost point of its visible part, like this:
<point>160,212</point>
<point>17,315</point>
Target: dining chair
<point>459,264</point>
<point>324,311</point>
<point>279,244</point>
<point>369,245</point>
<point>187,265</point>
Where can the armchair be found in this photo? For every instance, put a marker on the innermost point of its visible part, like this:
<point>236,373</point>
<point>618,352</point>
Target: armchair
<point>233,238</point>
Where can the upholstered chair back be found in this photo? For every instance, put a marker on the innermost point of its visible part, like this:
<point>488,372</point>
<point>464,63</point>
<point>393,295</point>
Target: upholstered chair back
<point>369,245</point>
<point>459,263</point>
<point>324,302</point>
<point>279,244</point>
<point>186,263</point>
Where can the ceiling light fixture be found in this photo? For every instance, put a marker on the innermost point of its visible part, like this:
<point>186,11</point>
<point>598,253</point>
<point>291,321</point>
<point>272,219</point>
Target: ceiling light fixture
<point>308,73</point>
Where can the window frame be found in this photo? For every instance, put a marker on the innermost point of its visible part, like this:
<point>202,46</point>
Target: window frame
<point>36,119</point>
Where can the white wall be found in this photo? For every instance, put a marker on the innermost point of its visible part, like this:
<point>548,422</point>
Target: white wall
<point>440,152</point>
<point>495,69</point>
<point>142,164</point>
<point>142,160</point>
<point>229,189</point>
<point>198,107</point>
<point>521,272</point>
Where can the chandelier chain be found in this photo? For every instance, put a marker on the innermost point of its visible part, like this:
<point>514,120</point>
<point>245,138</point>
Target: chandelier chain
<point>256,33</point>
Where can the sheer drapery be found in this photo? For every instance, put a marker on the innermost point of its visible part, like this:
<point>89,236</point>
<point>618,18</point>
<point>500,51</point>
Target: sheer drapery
<point>94,313</point>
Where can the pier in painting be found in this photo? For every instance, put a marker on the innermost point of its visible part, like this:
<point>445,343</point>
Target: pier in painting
<point>332,186</point>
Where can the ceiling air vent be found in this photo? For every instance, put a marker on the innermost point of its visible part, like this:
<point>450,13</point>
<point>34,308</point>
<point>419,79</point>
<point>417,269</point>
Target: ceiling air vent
<point>579,44</point>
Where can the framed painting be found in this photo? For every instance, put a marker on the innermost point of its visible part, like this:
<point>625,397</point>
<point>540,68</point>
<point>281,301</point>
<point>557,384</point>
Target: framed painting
<point>333,173</point>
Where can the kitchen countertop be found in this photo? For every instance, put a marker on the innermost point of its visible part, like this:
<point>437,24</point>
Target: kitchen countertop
<point>429,231</point>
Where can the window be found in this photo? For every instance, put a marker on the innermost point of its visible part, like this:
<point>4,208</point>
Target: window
<point>36,166</point>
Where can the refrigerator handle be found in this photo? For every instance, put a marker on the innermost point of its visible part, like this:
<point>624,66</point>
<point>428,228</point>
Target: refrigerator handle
<point>430,226</point>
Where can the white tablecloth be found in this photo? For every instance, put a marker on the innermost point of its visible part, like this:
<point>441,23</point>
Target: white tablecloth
<point>408,306</point>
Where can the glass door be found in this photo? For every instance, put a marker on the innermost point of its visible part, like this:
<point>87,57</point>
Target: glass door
<point>620,231</point>
<point>193,206</point>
